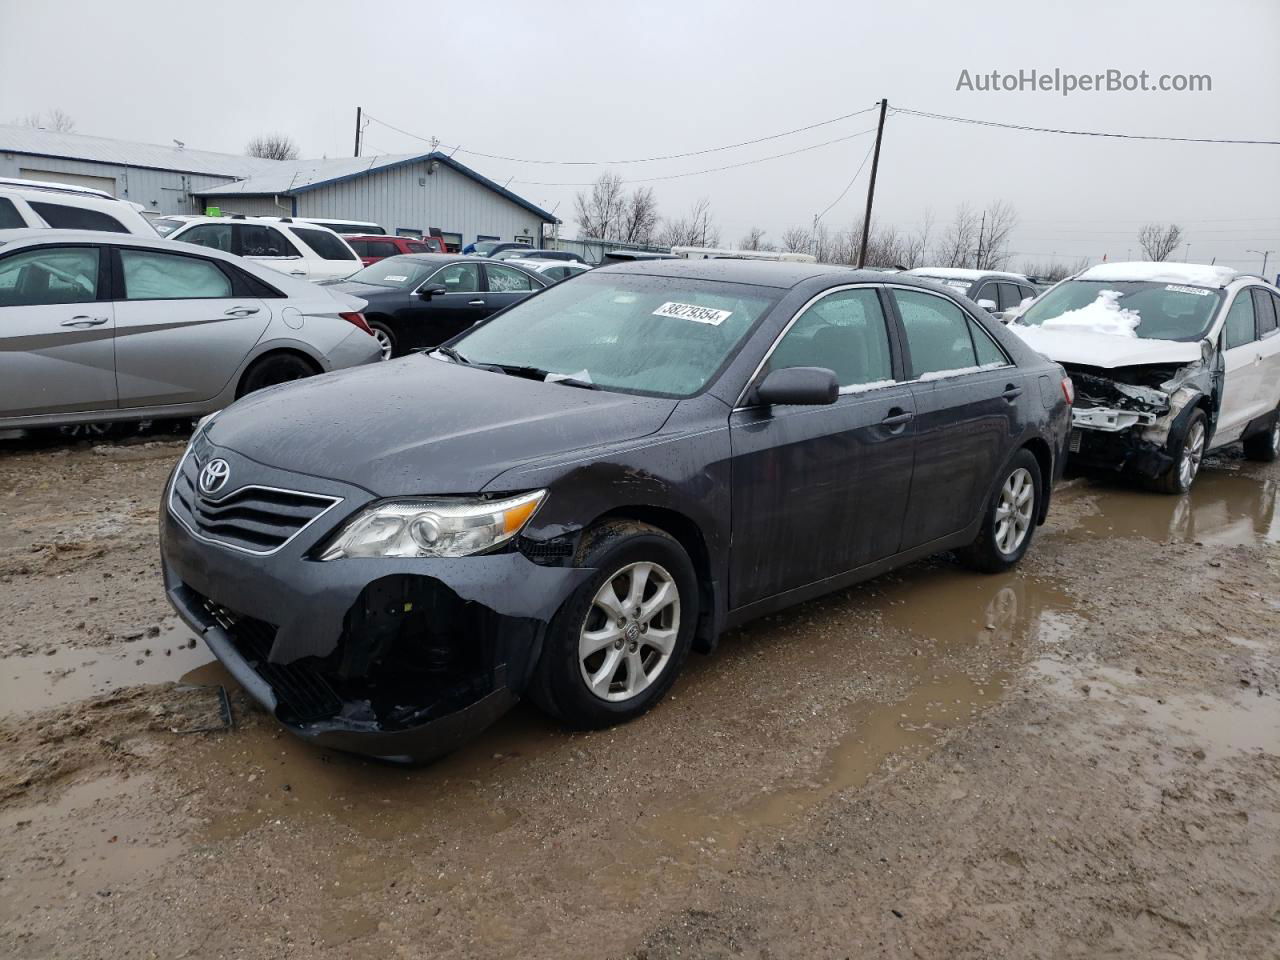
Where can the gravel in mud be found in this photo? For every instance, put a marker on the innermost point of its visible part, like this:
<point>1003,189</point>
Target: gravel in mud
<point>1081,758</point>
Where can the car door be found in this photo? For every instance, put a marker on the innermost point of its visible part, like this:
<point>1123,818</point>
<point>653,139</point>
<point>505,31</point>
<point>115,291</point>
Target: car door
<point>329,256</point>
<point>1267,307</point>
<point>820,490</point>
<point>56,329</point>
<point>181,332</point>
<point>269,247</point>
<point>1241,355</point>
<point>434,320</point>
<point>507,285</point>
<point>966,394</point>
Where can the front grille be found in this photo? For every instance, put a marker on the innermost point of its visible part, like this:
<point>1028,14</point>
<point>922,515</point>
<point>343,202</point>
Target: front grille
<point>254,518</point>
<point>302,693</point>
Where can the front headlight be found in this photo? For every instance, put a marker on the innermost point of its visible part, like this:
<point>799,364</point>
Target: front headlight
<point>433,527</point>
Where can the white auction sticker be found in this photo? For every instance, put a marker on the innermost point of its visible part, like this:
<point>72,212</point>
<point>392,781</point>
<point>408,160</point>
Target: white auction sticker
<point>691,311</point>
<point>396,279</point>
<point>1198,291</point>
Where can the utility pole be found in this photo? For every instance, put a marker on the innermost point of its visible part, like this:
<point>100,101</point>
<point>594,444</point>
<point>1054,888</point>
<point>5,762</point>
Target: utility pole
<point>982,229</point>
<point>815,235</point>
<point>357,153</point>
<point>1265,254</point>
<point>871,187</point>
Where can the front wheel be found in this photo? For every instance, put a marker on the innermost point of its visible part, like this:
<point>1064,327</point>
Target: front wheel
<point>615,646</point>
<point>1188,452</point>
<point>1010,519</point>
<point>273,369</point>
<point>386,339</point>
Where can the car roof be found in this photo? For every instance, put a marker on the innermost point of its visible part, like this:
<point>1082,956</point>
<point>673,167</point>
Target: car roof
<point>376,236</point>
<point>964,273</point>
<point>760,273</point>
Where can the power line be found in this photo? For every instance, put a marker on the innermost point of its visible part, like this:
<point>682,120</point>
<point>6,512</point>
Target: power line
<point>603,163</point>
<point>848,186</point>
<point>695,173</point>
<point>1077,133</point>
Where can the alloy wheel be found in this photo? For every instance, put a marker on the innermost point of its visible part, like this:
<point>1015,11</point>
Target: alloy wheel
<point>1192,454</point>
<point>1014,510</point>
<point>630,631</point>
<point>384,342</point>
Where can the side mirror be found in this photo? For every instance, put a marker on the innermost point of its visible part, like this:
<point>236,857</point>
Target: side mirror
<point>988,305</point>
<point>799,386</point>
<point>426,293</point>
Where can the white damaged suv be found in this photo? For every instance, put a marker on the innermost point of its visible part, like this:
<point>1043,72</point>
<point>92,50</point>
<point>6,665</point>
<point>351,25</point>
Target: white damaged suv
<point>1169,361</point>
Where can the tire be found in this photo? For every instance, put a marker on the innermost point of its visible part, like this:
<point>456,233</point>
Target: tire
<point>1009,522</point>
<point>1265,446</point>
<point>622,553</point>
<point>91,431</point>
<point>1187,452</point>
<point>386,339</point>
<point>273,369</point>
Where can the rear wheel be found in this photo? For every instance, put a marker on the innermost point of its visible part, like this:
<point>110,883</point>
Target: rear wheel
<point>273,369</point>
<point>1010,520</point>
<point>386,339</point>
<point>1188,453</point>
<point>91,431</point>
<point>614,648</point>
<point>1265,446</point>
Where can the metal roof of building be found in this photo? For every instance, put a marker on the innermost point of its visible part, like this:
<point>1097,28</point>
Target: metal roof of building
<point>298,176</point>
<point>76,146</point>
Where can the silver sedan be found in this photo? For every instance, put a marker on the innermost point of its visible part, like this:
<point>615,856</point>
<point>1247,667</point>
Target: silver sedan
<point>106,328</point>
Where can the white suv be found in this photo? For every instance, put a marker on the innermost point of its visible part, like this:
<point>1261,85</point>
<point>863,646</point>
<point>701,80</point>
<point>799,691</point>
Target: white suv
<point>34,204</point>
<point>1168,360</point>
<point>303,250</point>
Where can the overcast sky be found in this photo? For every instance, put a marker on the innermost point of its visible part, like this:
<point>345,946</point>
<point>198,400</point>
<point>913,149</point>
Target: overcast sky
<point>602,81</point>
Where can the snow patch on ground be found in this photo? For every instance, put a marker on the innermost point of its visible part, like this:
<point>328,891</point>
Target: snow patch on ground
<point>1162,273</point>
<point>1104,315</point>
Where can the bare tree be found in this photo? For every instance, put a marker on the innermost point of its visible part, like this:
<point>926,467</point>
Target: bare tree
<point>638,220</point>
<point>796,240</point>
<point>997,222</point>
<point>1054,270</point>
<point>54,119</point>
<point>599,212</point>
<point>960,239</point>
<point>695,230</point>
<point>754,240</point>
<point>272,146</point>
<point>1158,240</point>
<point>915,246</point>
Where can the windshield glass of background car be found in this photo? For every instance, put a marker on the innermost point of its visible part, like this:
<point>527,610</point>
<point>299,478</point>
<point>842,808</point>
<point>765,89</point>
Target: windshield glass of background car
<point>662,336</point>
<point>399,272</point>
<point>1167,311</point>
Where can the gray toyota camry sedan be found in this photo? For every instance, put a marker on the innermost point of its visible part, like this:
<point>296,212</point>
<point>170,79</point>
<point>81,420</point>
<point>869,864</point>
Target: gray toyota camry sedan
<point>566,499</point>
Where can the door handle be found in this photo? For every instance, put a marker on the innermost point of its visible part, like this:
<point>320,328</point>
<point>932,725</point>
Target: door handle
<point>241,312</point>
<point>897,417</point>
<point>83,322</point>
<point>1012,392</point>
<point>475,303</point>
<point>297,273</point>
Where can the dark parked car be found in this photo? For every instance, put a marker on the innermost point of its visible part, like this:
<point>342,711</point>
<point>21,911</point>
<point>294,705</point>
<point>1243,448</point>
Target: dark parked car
<point>370,249</point>
<point>565,500</point>
<point>421,300</point>
<point>487,248</point>
<point>994,290</point>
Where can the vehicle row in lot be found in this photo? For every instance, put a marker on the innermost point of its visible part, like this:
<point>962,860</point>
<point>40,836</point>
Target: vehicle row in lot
<point>565,499</point>
<point>421,300</point>
<point>1169,361</point>
<point>109,327</point>
<point>297,248</point>
<point>996,291</point>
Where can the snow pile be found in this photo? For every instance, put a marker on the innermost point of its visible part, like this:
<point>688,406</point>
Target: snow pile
<point>864,387</point>
<point>1196,273</point>
<point>1104,315</point>
<point>959,371</point>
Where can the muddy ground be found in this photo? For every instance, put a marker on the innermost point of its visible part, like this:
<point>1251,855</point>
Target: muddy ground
<point>1081,759</point>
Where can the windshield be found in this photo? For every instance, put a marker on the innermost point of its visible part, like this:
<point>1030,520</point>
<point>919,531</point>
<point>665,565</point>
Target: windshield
<point>1162,311</point>
<point>485,247</point>
<point>660,336</point>
<point>166,227</point>
<point>400,273</point>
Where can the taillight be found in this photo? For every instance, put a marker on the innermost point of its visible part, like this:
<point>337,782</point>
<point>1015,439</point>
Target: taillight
<point>359,320</point>
<point>1068,389</point>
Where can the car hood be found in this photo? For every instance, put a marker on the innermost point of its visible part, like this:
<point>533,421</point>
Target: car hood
<point>419,425</point>
<point>1102,349</point>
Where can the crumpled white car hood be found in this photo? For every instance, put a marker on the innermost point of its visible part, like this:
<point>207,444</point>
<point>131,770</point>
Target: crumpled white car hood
<point>1103,350</point>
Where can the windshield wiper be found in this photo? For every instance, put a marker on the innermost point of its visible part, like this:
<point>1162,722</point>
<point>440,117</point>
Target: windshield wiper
<point>452,354</point>
<point>537,373</point>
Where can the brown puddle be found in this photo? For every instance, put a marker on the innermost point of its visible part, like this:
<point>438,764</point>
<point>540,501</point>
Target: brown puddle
<point>85,844</point>
<point>39,680</point>
<point>1232,502</point>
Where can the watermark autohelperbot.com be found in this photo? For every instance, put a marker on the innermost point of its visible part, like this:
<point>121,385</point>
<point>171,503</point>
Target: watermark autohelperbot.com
<point>1066,83</point>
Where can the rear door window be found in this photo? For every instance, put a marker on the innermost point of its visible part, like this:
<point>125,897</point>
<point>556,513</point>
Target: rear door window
<point>987,350</point>
<point>987,292</point>
<point>49,275</point>
<point>417,247</point>
<point>327,246</point>
<point>1265,308</point>
<point>382,248</point>
<point>215,236</point>
<point>149,275</point>
<point>10,218</point>
<point>1240,327</point>
<point>457,278</point>
<point>62,217</point>
<point>1010,296</point>
<point>937,333</point>
<point>507,279</point>
<point>257,240</point>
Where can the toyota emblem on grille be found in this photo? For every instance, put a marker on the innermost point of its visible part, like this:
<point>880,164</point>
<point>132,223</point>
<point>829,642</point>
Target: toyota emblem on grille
<point>214,476</point>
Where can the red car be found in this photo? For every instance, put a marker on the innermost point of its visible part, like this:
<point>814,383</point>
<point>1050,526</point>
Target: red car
<point>372,248</point>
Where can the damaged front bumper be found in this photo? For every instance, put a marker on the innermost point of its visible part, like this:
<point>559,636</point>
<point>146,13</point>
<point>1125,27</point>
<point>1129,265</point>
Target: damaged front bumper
<point>397,659</point>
